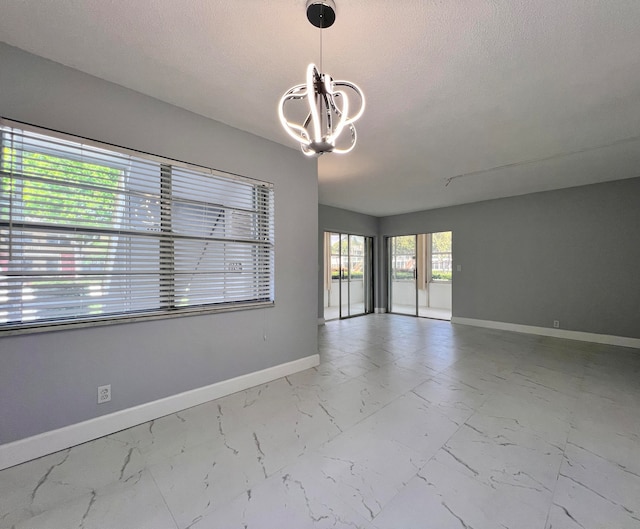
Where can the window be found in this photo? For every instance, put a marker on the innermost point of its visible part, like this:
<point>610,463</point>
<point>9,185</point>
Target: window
<point>441,260</point>
<point>93,232</point>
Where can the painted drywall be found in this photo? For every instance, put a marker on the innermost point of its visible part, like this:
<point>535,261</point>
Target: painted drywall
<point>49,380</point>
<point>343,221</point>
<point>570,255</point>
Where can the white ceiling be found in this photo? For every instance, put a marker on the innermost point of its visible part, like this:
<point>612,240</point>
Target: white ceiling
<point>497,97</point>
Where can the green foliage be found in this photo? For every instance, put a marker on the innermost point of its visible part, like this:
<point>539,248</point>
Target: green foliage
<point>403,275</point>
<point>441,242</point>
<point>354,275</point>
<point>342,246</point>
<point>406,275</point>
<point>56,189</point>
<point>404,245</point>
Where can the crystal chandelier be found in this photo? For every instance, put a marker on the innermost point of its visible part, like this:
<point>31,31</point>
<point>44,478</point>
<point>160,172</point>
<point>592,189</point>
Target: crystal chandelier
<point>329,110</point>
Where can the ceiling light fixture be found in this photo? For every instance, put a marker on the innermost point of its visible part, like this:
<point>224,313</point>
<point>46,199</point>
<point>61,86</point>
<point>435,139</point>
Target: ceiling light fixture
<point>328,100</point>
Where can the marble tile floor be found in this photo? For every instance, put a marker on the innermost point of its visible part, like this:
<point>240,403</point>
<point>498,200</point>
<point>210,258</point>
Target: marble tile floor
<point>407,423</point>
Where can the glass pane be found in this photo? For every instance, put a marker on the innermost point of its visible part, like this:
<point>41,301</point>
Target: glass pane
<point>403,278</point>
<point>332,290</point>
<point>435,279</point>
<point>357,260</point>
<point>344,275</point>
<point>441,261</point>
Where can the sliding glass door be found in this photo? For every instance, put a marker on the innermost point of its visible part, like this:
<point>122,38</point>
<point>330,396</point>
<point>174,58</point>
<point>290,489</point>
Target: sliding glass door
<point>420,278</point>
<point>348,275</point>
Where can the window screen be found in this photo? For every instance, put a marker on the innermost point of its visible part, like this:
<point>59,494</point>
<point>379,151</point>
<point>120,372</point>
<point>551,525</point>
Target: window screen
<point>94,232</point>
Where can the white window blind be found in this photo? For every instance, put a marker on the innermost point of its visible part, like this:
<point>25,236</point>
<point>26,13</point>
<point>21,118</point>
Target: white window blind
<point>94,232</point>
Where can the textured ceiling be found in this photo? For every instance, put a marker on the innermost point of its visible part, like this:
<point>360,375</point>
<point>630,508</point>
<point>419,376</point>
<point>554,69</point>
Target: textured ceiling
<point>494,97</point>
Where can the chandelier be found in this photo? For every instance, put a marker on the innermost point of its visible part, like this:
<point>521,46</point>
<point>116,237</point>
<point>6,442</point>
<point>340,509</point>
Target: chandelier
<point>329,112</point>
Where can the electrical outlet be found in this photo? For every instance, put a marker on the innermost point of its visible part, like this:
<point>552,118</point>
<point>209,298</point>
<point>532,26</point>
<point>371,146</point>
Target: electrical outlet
<point>556,324</point>
<point>104,394</point>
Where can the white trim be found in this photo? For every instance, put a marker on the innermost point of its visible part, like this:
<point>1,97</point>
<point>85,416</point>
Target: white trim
<point>609,339</point>
<point>380,310</point>
<point>45,443</point>
<point>130,318</point>
<point>321,321</point>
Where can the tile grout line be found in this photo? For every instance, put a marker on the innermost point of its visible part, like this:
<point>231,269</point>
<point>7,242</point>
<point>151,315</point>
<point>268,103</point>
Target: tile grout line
<point>564,449</point>
<point>155,483</point>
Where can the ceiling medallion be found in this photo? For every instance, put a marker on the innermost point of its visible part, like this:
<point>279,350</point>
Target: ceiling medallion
<point>328,101</point>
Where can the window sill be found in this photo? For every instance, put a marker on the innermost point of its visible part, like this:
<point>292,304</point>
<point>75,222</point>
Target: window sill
<point>130,318</point>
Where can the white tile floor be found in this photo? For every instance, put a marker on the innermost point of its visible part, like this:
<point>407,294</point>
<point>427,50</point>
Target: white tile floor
<point>407,423</point>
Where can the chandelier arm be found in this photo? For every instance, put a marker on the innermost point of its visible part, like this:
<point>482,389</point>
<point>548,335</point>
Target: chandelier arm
<point>296,92</point>
<point>328,90</point>
<point>307,121</point>
<point>305,126</point>
<point>312,76</point>
<point>327,110</point>
<point>336,95</point>
<point>289,127</point>
<point>308,151</point>
<point>340,112</point>
<point>357,90</point>
<point>335,107</point>
<point>302,136</point>
<point>354,139</point>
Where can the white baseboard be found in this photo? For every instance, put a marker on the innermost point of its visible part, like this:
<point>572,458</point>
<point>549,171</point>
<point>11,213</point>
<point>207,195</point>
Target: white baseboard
<point>380,310</point>
<point>321,321</point>
<point>608,339</point>
<point>45,443</point>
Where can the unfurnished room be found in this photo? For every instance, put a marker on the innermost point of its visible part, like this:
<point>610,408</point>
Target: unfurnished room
<point>319,264</point>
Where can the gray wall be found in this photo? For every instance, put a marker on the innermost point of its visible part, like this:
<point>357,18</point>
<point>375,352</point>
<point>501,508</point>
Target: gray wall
<point>343,221</point>
<point>570,255</point>
<point>49,380</point>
